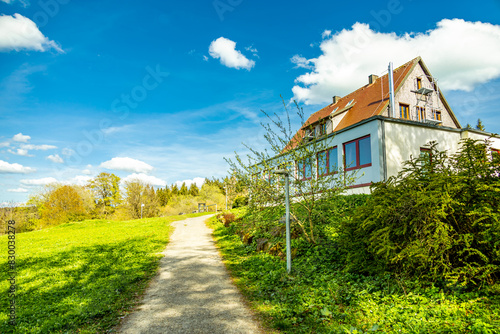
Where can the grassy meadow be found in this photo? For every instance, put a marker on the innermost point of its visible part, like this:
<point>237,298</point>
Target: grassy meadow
<point>81,277</point>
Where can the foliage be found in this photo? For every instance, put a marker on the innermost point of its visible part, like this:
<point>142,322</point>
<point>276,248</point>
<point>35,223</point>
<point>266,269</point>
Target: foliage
<point>240,201</point>
<point>81,277</point>
<point>439,219</point>
<point>141,200</point>
<point>106,190</point>
<point>319,297</point>
<point>296,153</point>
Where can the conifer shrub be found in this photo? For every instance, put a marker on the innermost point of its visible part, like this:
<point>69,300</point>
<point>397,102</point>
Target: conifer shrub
<point>438,219</point>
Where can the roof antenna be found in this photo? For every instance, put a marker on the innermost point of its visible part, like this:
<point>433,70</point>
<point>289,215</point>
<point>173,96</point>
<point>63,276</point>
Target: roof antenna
<point>392,106</point>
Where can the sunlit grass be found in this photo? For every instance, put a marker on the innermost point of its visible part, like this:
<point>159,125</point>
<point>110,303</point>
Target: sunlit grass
<point>81,277</point>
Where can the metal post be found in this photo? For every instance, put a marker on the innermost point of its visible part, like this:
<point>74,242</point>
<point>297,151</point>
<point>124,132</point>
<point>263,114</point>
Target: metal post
<point>142,205</point>
<point>288,248</point>
<point>392,105</point>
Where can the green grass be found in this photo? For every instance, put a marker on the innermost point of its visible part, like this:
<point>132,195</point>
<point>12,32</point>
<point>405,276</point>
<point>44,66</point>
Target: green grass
<point>81,277</point>
<point>318,297</point>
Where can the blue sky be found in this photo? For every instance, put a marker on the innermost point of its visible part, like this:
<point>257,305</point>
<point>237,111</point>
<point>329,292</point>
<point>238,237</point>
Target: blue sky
<point>164,90</point>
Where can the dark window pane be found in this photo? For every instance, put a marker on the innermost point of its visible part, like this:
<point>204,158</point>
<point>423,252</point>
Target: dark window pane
<point>322,163</point>
<point>333,160</point>
<point>308,168</point>
<point>365,152</point>
<point>350,155</point>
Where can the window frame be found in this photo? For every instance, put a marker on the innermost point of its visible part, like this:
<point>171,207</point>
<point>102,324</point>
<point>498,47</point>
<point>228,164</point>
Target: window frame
<point>421,113</point>
<point>438,115</point>
<point>406,108</point>
<point>301,173</point>
<point>428,151</point>
<point>357,166</point>
<point>327,151</point>
<point>495,151</point>
<point>419,83</point>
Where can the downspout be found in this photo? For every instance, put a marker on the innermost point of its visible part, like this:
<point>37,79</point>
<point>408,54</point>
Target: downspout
<point>384,156</point>
<point>392,106</point>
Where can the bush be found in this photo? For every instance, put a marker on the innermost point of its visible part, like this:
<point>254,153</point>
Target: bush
<point>240,201</point>
<point>439,219</point>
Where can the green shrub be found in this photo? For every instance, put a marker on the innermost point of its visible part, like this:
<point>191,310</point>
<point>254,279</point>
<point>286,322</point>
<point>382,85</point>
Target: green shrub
<point>240,201</point>
<point>439,219</point>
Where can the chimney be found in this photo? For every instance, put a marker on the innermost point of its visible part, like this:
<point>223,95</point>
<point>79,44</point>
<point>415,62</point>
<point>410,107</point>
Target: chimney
<point>372,78</point>
<point>392,104</point>
<point>336,99</point>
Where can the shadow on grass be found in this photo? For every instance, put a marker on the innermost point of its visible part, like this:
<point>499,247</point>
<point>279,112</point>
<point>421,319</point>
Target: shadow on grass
<point>85,288</point>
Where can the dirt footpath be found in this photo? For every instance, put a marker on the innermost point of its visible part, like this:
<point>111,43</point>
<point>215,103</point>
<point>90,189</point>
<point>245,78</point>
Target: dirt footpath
<point>192,292</point>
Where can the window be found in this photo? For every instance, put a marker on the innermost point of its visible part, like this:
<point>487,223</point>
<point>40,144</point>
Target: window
<point>358,153</point>
<point>419,83</point>
<point>437,115</point>
<point>322,129</point>
<point>304,169</point>
<point>426,154</point>
<point>328,161</point>
<point>421,113</point>
<point>404,111</point>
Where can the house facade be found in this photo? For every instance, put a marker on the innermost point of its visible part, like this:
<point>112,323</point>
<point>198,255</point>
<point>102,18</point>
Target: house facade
<point>366,137</point>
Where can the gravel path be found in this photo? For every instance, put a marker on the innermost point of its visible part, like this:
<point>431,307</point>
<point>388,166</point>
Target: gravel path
<point>192,292</point>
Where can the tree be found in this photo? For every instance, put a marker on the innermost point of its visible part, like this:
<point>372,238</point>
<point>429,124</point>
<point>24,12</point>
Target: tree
<point>438,219</point>
<point>63,203</point>
<point>174,190</point>
<point>296,152</point>
<point>184,190</point>
<point>106,190</point>
<point>480,125</point>
<point>193,190</point>
<point>138,194</point>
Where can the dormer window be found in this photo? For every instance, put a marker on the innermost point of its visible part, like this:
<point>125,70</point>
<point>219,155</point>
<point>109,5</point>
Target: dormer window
<point>349,103</point>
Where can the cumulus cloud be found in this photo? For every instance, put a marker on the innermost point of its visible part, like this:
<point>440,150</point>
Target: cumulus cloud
<point>225,50</point>
<point>127,165</point>
<point>148,179</point>
<point>20,152</point>
<point>55,158</point>
<point>460,54</point>
<point>197,180</point>
<point>86,172</point>
<point>79,180</point>
<point>21,138</point>
<point>20,33</point>
<point>18,190</point>
<point>39,182</point>
<point>7,168</point>
<point>24,3</point>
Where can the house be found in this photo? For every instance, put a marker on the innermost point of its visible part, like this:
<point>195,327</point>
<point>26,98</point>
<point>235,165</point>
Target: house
<point>366,135</point>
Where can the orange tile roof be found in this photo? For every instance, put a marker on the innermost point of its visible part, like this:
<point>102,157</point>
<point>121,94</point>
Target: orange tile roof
<point>368,101</point>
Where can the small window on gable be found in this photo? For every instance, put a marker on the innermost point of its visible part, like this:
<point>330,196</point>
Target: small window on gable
<point>404,111</point>
<point>419,83</point>
<point>437,115</point>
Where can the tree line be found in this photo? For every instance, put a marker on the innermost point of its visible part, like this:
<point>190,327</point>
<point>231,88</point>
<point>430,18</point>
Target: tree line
<point>103,198</point>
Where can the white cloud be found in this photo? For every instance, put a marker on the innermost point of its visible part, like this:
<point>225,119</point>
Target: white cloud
<point>86,172</point>
<point>20,33</point>
<point>67,151</point>
<point>326,34</point>
<point>38,147</point>
<point>127,165</point>
<point>55,158</point>
<point>24,3</point>
<point>20,152</point>
<point>225,50</point>
<point>302,62</point>
<point>79,180</point>
<point>198,180</point>
<point>18,190</point>
<point>205,58</point>
<point>7,168</point>
<point>21,138</point>
<point>39,182</point>
<point>4,144</point>
<point>460,54</point>
<point>148,179</point>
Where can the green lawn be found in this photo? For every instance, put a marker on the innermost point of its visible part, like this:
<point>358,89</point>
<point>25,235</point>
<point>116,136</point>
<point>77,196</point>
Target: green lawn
<point>81,277</point>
